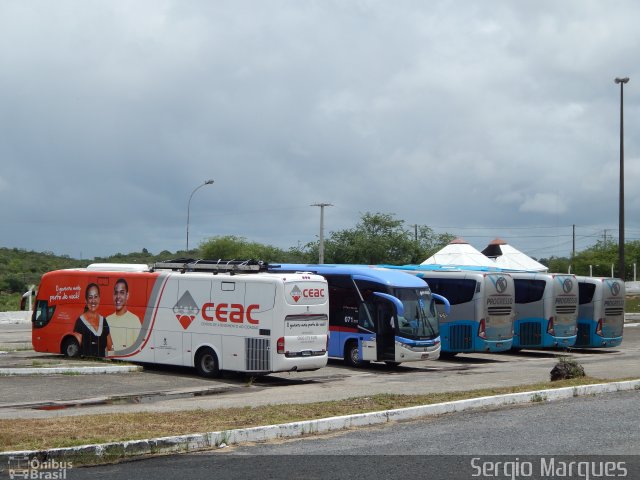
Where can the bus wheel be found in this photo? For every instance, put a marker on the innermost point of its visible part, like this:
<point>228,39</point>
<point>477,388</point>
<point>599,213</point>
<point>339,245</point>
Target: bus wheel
<point>447,355</point>
<point>207,363</point>
<point>70,347</point>
<point>351,356</point>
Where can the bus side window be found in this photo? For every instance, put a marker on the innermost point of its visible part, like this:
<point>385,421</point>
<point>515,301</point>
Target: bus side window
<point>343,306</point>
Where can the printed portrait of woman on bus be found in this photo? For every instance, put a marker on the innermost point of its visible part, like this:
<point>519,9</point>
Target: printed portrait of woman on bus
<point>91,328</point>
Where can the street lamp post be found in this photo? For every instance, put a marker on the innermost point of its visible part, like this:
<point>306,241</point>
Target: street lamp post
<point>621,266</point>
<point>321,246</point>
<point>207,182</point>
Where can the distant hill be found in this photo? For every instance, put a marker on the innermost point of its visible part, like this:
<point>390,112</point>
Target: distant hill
<point>19,269</point>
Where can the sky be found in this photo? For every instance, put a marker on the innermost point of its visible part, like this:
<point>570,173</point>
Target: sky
<point>479,119</point>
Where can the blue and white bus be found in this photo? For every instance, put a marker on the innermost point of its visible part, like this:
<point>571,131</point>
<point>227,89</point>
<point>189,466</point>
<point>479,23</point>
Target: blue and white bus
<point>377,315</point>
<point>546,310</point>
<point>601,312</point>
<point>482,307</point>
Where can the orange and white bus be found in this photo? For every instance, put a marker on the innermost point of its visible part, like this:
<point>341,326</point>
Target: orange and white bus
<point>209,315</point>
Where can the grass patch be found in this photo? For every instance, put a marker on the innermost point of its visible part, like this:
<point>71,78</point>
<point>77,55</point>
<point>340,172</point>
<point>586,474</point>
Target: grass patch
<point>40,363</point>
<point>10,302</point>
<point>38,434</point>
<point>632,304</point>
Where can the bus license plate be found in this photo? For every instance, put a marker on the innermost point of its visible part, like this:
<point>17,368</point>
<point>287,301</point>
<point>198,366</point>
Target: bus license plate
<point>425,356</point>
<point>499,344</point>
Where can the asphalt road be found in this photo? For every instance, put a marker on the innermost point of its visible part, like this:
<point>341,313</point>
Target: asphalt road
<point>592,430</point>
<point>166,388</point>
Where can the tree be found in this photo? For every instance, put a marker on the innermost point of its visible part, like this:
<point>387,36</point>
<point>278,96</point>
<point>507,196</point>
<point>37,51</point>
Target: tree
<point>231,247</point>
<point>380,238</point>
<point>596,259</point>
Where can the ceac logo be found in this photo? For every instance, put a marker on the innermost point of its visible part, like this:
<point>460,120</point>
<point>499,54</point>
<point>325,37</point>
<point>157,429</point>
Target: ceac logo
<point>296,293</point>
<point>186,310</point>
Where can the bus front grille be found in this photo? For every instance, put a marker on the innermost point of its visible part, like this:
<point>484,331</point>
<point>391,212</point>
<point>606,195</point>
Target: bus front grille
<point>613,311</point>
<point>584,335</point>
<point>530,334</point>
<point>460,337</point>
<point>257,354</point>
<point>498,311</point>
<point>565,309</point>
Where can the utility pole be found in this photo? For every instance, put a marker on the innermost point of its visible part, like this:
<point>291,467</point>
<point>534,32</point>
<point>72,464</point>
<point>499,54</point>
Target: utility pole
<point>574,242</point>
<point>621,266</point>
<point>321,247</point>
<point>415,231</point>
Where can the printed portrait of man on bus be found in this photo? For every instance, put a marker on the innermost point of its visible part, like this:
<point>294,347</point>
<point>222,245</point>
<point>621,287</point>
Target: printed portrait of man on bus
<point>124,325</point>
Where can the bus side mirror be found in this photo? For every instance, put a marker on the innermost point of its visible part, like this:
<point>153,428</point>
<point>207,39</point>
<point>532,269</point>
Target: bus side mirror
<point>394,300</point>
<point>447,305</point>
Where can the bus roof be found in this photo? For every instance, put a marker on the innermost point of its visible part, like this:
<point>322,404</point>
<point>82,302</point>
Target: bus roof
<point>385,276</point>
<point>445,268</point>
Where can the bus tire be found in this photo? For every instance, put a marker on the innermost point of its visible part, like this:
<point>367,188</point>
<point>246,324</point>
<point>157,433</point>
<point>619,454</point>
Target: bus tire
<point>351,356</point>
<point>70,347</point>
<point>447,355</point>
<point>206,363</point>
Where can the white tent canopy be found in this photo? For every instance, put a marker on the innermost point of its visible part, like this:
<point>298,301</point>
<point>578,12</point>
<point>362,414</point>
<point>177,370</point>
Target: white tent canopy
<point>459,252</point>
<point>506,256</point>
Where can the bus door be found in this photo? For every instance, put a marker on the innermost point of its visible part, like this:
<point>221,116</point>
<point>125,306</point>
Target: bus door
<point>386,320</point>
<point>383,312</point>
<point>171,342</point>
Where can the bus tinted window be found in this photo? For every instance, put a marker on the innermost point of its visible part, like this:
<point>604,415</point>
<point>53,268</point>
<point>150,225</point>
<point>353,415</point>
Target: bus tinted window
<point>343,302</point>
<point>42,314</point>
<point>585,292</point>
<point>456,290</point>
<point>528,291</point>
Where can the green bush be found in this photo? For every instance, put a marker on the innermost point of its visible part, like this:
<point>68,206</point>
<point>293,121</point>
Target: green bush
<point>10,302</point>
<point>566,368</point>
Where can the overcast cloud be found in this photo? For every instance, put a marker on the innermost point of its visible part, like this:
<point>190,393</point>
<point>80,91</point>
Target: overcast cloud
<point>481,119</point>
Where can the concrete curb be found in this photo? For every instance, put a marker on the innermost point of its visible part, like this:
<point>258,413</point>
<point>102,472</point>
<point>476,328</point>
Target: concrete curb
<point>15,317</point>
<point>203,441</point>
<point>69,370</point>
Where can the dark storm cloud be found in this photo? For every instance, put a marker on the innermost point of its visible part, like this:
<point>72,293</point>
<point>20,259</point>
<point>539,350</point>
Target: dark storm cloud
<point>500,115</point>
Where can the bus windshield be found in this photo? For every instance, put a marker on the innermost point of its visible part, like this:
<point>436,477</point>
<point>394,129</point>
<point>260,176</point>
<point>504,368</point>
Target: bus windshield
<point>420,317</point>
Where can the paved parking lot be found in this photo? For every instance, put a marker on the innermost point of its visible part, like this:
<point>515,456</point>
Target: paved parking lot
<point>167,388</point>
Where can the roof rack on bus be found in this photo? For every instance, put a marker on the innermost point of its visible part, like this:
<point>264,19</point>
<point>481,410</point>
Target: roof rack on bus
<point>214,266</point>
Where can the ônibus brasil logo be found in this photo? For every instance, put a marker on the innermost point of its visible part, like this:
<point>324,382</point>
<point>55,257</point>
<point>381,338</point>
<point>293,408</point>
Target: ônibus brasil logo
<point>296,293</point>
